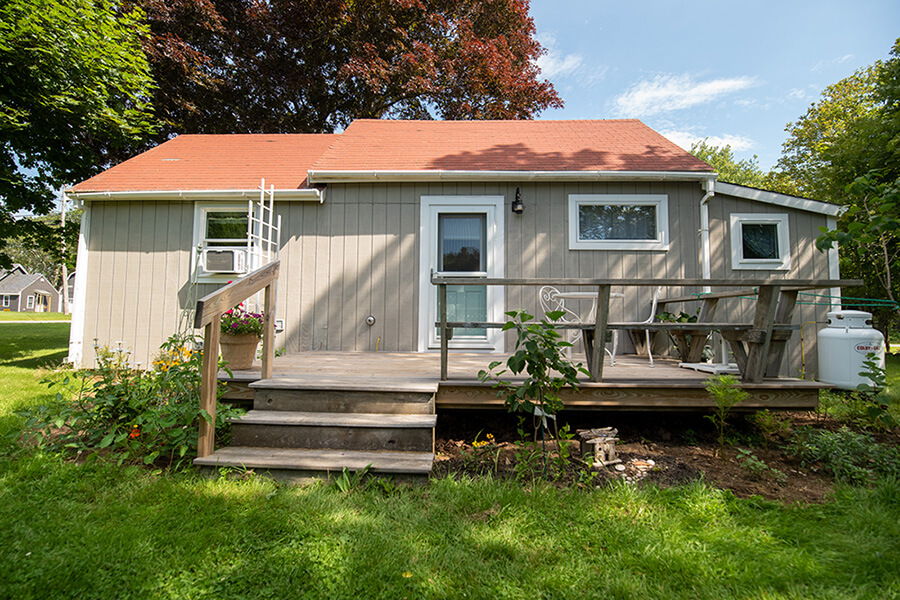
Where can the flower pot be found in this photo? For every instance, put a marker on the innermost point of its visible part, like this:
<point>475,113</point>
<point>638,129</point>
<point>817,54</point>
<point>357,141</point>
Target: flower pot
<point>239,350</point>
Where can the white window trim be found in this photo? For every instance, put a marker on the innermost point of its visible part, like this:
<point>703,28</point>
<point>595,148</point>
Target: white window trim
<point>29,302</point>
<point>200,211</point>
<point>494,208</point>
<point>660,201</point>
<point>5,301</point>
<point>739,263</point>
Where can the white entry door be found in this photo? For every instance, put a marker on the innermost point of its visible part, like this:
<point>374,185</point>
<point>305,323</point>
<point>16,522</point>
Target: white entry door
<point>461,236</point>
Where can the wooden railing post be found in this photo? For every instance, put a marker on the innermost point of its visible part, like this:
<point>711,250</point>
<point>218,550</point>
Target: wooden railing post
<point>268,339</point>
<point>595,360</point>
<point>208,315</point>
<point>445,336</point>
<point>209,384</point>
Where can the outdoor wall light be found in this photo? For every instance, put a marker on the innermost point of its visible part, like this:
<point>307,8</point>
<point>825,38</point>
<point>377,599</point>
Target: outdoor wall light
<point>517,206</point>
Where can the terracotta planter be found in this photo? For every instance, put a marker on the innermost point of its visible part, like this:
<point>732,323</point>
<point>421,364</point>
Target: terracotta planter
<point>239,350</point>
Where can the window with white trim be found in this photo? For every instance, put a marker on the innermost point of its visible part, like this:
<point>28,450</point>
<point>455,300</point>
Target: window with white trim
<point>5,301</point>
<point>760,242</point>
<point>618,222</point>
<point>220,225</point>
<point>29,303</point>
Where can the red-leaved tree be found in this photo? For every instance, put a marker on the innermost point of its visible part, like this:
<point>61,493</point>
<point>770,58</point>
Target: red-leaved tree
<point>232,66</point>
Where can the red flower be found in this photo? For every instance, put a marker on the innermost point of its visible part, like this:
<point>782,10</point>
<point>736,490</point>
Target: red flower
<point>134,432</point>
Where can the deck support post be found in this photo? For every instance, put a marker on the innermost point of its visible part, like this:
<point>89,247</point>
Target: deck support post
<point>445,335</point>
<point>209,384</point>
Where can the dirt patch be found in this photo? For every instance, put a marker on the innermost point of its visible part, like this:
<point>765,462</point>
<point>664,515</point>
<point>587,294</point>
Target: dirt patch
<point>664,449</point>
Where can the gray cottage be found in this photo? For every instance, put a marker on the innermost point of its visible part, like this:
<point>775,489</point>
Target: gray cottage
<point>368,215</point>
<point>21,291</point>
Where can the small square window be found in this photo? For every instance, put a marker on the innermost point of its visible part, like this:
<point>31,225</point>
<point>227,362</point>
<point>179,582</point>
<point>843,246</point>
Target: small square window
<point>618,222</point>
<point>760,242</point>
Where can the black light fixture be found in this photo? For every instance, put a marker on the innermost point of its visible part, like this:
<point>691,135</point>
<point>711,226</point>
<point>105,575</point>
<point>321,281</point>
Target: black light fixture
<point>517,206</point>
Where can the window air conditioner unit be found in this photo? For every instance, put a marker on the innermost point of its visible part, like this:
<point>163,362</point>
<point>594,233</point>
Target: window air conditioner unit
<point>224,260</point>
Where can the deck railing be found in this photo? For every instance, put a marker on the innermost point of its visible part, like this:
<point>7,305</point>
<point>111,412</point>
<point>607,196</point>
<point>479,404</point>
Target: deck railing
<point>209,313</point>
<point>758,346</point>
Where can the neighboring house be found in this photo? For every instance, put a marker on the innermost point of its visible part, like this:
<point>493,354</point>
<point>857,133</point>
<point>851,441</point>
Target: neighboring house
<point>368,214</point>
<point>21,291</point>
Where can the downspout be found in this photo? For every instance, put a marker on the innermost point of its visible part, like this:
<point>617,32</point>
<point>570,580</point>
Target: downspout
<point>705,262</point>
<point>76,331</point>
<point>709,185</point>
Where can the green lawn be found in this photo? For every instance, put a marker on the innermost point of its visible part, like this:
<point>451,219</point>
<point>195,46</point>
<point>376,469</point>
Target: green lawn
<point>9,315</point>
<point>98,531</point>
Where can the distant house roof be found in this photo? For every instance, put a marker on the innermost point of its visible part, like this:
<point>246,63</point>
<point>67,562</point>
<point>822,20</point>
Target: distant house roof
<point>193,163</point>
<point>215,162</point>
<point>14,283</point>
<point>16,268</point>
<point>612,145</point>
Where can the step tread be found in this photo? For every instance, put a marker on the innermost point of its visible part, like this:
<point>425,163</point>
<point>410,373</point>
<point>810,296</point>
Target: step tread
<point>419,463</point>
<point>324,419</point>
<point>425,385</point>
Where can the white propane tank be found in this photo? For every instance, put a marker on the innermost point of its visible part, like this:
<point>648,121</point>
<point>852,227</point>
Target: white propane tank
<point>843,346</point>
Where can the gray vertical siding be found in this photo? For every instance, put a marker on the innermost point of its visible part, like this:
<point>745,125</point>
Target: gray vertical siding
<point>357,255</point>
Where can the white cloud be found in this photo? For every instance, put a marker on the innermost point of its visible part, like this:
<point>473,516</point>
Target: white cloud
<point>665,93</point>
<point>686,138</point>
<point>796,94</point>
<point>554,64</point>
<point>557,64</point>
<point>824,64</point>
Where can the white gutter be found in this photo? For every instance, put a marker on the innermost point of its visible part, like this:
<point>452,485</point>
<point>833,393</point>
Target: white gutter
<point>302,195</point>
<point>328,176</point>
<point>749,193</point>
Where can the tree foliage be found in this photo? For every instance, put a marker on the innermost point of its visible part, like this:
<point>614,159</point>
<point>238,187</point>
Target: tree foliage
<point>299,66</point>
<point>731,170</point>
<point>74,89</point>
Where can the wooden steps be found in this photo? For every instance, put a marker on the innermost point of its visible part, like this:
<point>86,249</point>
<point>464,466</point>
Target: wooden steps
<point>303,462</point>
<point>313,426</point>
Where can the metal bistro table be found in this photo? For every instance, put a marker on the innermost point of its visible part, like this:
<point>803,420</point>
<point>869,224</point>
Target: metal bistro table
<point>590,316</point>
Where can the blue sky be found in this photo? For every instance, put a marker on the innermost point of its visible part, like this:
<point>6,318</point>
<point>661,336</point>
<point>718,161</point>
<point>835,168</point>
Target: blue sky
<point>734,72</point>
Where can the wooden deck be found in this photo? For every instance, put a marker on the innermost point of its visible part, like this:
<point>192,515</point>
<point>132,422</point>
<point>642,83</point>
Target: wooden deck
<point>629,385</point>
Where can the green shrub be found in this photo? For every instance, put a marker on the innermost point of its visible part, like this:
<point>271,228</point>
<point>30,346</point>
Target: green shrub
<point>129,414</point>
<point>852,457</point>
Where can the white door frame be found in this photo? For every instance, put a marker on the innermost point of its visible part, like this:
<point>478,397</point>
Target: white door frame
<point>431,207</point>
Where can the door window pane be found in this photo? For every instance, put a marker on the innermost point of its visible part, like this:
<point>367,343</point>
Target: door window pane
<point>461,240</point>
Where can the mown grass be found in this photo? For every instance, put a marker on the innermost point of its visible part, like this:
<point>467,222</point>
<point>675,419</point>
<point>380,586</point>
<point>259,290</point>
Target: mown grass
<point>97,531</point>
<point>32,316</point>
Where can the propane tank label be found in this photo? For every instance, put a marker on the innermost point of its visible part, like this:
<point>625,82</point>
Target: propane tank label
<point>867,348</point>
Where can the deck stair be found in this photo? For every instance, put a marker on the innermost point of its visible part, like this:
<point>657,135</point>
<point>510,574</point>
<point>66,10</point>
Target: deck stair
<point>311,425</point>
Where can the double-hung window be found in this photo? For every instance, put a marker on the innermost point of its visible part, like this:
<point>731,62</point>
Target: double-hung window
<point>5,301</point>
<point>29,303</point>
<point>618,222</point>
<point>760,242</point>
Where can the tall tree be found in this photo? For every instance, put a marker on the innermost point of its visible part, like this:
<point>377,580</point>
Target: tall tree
<point>828,146</point>
<point>302,66</point>
<point>74,87</point>
<point>731,170</point>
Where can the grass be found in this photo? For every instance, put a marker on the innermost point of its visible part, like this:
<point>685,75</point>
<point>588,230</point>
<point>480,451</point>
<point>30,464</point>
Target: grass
<point>9,315</point>
<point>97,531</point>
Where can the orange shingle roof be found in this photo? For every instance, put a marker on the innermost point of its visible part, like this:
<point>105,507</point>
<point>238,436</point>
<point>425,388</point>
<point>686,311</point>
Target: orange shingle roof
<point>612,145</point>
<point>215,162</point>
<point>238,161</point>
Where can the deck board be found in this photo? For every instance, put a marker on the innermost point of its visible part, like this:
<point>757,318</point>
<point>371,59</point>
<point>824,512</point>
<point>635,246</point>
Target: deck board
<point>630,384</point>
